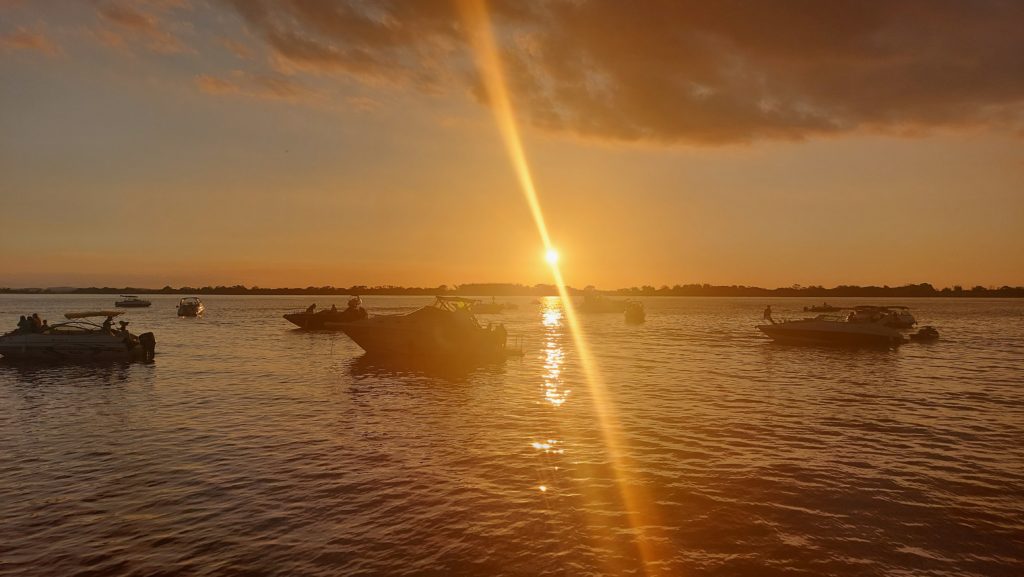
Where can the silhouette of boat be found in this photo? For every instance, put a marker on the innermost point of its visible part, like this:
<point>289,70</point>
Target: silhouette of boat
<point>444,331</point>
<point>823,308</point>
<point>79,339</point>
<point>635,313</point>
<point>314,320</point>
<point>131,301</point>
<point>595,303</point>
<point>190,307</point>
<point>834,330</point>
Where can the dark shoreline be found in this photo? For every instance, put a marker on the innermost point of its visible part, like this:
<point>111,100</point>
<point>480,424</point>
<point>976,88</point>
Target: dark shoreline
<point>923,290</point>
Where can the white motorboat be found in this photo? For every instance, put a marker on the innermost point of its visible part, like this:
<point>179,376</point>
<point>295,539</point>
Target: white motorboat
<point>834,330</point>
<point>131,301</point>
<point>445,330</point>
<point>190,307</point>
<point>79,339</point>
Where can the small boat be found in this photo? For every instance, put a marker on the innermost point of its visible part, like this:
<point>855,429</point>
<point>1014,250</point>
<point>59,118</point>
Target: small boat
<point>131,301</point>
<point>79,339</point>
<point>491,308</point>
<point>834,330</point>
<point>190,307</point>
<point>823,308</point>
<point>925,334</point>
<point>595,303</point>
<point>314,320</point>
<point>898,317</point>
<point>443,331</point>
<point>635,313</point>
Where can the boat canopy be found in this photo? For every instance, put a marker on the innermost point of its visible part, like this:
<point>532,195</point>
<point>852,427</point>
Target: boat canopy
<point>87,314</point>
<point>454,303</point>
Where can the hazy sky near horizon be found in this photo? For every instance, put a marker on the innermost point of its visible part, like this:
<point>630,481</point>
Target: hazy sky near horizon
<point>295,143</point>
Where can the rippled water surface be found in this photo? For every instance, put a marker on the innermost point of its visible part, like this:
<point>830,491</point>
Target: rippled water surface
<point>249,448</point>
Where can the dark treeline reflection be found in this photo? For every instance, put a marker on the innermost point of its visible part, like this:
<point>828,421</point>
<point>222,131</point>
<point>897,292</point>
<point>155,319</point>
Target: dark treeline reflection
<point>511,289</point>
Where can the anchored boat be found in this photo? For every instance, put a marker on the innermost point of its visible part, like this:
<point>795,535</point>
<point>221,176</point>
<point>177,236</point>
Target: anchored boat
<point>312,319</point>
<point>445,330</point>
<point>190,307</point>
<point>131,301</point>
<point>834,330</point>
<point>80,339</point>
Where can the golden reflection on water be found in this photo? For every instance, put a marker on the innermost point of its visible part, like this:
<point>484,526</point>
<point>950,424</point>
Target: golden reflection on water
<point>554,356</point>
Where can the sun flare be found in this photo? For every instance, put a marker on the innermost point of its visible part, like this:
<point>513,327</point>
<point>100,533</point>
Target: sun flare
<point>551,256</point>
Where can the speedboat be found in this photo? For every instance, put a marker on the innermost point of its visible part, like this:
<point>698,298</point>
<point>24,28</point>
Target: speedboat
<point>635,313</point>
<point>312,319</point>
<point>190,307</point>
<point>898,317</point>
<point>834,330</point>
<point>595,303</point>
<point>445,330</point>
<point>79,339</point>
<point>823,308</point>
<point>131,301</point>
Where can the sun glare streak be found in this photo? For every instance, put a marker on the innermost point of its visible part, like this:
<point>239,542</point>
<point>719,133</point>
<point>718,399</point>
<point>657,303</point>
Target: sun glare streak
<point>488,63</point>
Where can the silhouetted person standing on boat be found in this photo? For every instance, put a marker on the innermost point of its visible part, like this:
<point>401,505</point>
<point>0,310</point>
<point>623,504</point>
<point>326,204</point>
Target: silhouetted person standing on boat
<point>768,314</point>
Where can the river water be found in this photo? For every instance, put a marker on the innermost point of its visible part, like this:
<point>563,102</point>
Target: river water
<point>698,447</point>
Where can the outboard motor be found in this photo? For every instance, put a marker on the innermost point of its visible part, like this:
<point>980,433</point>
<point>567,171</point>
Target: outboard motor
<point>148,343</point>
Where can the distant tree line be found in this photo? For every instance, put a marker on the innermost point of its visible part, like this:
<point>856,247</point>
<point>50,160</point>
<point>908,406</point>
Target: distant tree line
<point>510,289</point>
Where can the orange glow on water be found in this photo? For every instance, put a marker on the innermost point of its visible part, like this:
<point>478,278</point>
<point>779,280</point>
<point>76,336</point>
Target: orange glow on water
<point>489,65</point>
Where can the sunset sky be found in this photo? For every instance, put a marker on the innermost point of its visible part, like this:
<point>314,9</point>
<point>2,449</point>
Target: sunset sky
<point>295,143</point>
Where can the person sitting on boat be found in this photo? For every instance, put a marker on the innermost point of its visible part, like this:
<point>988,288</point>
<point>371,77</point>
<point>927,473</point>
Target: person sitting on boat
<point>123,328</point>
<point>24,325</point>
<point>106,324</point>
<point>46,326</point>
<point>37,323</point>
<point>355,305</point>
<point>334,308</point>
<point>311,309</point>
<point>768,314</point>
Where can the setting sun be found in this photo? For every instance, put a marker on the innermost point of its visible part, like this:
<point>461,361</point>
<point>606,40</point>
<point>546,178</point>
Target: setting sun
<point>551,256</point>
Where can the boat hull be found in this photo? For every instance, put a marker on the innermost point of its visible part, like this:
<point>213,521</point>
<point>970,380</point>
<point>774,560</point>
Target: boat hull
<point>191,310</point>
<point>319,321</point>
<point>403,336</point>
<point>89,347</point>
<point>824,333</point>
<point>133,304</point>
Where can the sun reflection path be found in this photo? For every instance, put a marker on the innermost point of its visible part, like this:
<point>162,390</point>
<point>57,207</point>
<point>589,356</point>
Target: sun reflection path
<point>481,36</point>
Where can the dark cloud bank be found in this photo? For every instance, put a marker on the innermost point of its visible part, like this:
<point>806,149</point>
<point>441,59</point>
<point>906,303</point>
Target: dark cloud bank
<point>685,71</point>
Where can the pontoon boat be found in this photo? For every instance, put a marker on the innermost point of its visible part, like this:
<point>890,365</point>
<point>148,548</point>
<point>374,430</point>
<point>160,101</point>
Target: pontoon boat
<point>79,340</point>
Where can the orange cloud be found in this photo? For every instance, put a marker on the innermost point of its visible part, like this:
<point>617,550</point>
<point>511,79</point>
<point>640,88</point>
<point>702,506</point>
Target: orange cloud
<point>689,70</point>
<point>23,39</point>
<point>131,23</point>
<point>266,86</point>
